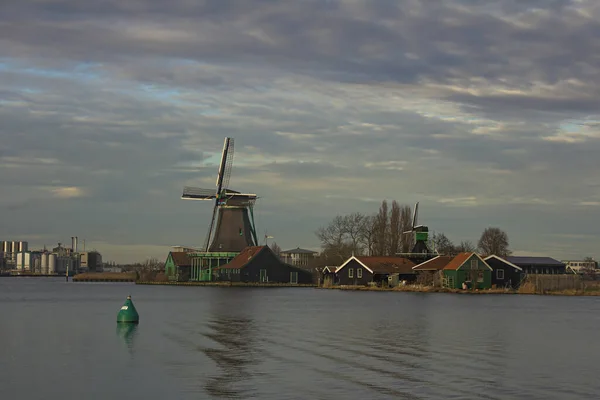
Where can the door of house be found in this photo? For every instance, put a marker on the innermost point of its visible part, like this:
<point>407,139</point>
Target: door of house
<point>263,275</point>
<point>294,277</point>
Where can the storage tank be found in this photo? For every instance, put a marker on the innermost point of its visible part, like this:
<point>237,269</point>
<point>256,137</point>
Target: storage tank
<point>23,246</point>
<point>44,263</point>
<point>51,264</point>
<point>36,263</point>
<point>24,261</point>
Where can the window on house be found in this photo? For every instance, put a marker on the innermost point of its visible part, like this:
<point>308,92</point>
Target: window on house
<point>473,263</point>
<point>480,277</point>
<point>359,272</point>
<point>499,274</point>
<point>350,272</point>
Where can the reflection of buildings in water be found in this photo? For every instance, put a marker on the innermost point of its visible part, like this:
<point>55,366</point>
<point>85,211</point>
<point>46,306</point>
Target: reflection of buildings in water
<point>127,332</point>
<point>232,328</point>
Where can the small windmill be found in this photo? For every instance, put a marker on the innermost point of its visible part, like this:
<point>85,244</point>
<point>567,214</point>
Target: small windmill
<point>234,229</point>
<point>421,233</point>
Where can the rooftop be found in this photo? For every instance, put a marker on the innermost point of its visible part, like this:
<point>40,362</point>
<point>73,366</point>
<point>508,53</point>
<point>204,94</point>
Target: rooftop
<point>243,258</point>
<point>542,261</point>
<point>387,265</point>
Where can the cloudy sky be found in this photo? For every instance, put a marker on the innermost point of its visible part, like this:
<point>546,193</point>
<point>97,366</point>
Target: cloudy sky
<point>487,112</point>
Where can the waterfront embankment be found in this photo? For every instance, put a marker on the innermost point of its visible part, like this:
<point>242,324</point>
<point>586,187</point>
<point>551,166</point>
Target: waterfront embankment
<point>106,277</point>
<point>224,284</point>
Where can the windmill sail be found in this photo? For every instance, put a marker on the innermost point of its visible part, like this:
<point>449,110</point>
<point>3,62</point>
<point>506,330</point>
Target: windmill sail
<point>231,226</point>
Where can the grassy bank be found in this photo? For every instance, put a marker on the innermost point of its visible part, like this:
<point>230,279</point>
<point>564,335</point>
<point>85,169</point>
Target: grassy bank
<point>590,290</point>
<point>223,284</point>
<point>419,289</point>
<point>105,277</point>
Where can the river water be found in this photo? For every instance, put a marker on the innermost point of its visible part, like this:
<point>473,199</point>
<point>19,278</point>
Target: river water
<point>60,341</point>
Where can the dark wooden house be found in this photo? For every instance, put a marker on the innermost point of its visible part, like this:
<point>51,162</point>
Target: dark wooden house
<point>538,265</point>
<point>259,264</point>
<point>504,273</point>
<point>365,270</point>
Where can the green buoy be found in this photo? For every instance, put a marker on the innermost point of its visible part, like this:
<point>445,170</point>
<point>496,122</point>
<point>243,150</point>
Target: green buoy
<point>127,313</point>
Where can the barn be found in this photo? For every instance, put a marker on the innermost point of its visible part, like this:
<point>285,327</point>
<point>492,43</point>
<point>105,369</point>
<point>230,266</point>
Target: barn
<point>258,264</point>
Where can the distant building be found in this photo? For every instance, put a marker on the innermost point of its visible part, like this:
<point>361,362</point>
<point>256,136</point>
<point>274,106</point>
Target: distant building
<point>580,266</point>
<point>298,257</point>
<point>91,261</point>
<point>538,265</point>
<point>9,250</point>
<point>183,249</point>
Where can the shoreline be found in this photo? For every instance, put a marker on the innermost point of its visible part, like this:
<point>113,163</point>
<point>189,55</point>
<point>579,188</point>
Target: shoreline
<point>226,284</point>
<point>406,289</point>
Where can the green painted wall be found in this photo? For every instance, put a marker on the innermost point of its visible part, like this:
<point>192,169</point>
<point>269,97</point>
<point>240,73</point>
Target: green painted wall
<point>455,278</point>
<point>170,268</point>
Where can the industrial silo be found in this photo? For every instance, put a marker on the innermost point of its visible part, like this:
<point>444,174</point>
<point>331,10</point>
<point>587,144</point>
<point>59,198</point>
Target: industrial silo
<point>5,246</point>
<point>14,247</point>
<point>23,246</point>
<point>51,264</point>
<point>44,263</point>
<point>24,261</point>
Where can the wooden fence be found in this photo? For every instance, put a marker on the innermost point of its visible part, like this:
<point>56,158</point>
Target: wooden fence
<point>537,283</point>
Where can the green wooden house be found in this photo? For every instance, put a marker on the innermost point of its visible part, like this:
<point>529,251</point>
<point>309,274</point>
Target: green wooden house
<point>468,268</point>
<point>177,266</point>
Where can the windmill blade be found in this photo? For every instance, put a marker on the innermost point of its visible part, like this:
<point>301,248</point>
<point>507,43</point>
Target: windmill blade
<point>415,215</point>
<point>194,193</point>
<point>224,171</point>
<point>210,228</point>
<point>228,165</point>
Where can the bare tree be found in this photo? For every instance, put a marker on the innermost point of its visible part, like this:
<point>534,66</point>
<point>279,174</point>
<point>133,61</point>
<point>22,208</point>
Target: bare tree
<point>342,237</point>
<point>275,248</point>
<point>407,240</point>
<point>332,235</point>
<point>442,244</point>
<point>494,241</point>
<point>381,230</point>
<point>395,233</point>
<point>368,234</point>
<point>465,247</point>
<point>354,224</point>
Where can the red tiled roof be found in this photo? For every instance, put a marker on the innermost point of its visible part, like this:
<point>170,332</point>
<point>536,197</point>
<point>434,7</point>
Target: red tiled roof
<point>243,258</point>
<point>435,264</point>
<point>458,260</point>
<point>387,265</point>
<point>181,258</point>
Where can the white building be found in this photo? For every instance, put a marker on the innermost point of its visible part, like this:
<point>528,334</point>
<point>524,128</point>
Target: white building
<point>579,266</point>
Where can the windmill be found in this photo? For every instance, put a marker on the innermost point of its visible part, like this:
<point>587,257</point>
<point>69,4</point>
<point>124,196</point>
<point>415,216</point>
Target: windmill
<point>233,211</point>
<point>421,233</point>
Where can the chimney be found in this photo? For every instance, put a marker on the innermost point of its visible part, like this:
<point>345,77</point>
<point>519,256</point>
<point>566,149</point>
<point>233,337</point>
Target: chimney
<point>72,243</point>
<point>76,240</point>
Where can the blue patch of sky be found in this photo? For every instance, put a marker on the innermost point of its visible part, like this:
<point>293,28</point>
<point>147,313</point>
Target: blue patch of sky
<point>173,96</point>
<point>572,127</point>
<point>81,71</point>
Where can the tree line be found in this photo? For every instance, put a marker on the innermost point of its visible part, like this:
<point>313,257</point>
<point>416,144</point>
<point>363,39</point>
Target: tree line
<point>388,232</point>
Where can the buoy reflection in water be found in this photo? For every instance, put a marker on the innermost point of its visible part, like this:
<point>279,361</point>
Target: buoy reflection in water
<point>127,332</point>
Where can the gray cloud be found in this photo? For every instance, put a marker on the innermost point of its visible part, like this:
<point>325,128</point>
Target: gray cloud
<point>486,113</point>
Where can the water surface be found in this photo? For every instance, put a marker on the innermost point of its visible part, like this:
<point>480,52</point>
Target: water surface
<point>60,340</point>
